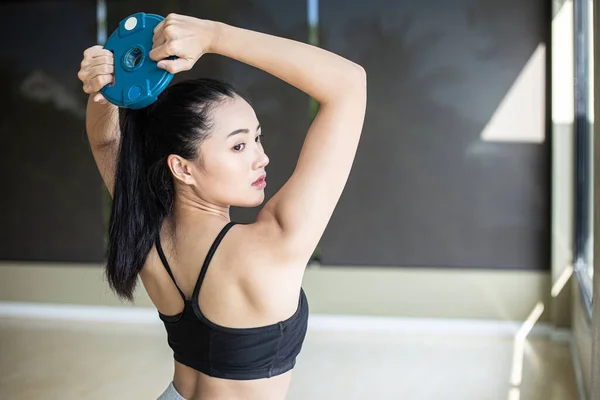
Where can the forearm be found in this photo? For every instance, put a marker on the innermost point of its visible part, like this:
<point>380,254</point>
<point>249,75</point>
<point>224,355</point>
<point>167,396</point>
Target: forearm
<point>101,122</point>
<point>319,73</point>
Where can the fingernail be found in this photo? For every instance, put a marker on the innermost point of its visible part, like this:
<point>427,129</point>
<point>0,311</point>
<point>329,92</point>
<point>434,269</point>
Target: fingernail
<point>161,65</point>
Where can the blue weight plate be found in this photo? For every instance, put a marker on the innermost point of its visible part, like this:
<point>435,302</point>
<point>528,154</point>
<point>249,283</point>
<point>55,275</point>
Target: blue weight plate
<point>138,81</point>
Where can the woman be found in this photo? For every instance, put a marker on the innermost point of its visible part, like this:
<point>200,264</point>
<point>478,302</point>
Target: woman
<point>229,295</point>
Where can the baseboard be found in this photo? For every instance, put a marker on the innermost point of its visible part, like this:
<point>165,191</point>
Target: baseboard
<point>81,313</point>
<point>317,322</point>
<point>436,326</point>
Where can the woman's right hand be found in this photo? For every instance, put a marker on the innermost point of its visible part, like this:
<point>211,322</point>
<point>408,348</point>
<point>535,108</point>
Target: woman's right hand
<point>97,70</point>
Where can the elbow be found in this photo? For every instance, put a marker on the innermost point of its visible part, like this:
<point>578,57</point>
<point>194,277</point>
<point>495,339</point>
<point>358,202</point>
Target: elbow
<point>357,75</point>
<point>102,142</point>
<point>351,85</point>
<point>361,75</point>
<point>357,80</point>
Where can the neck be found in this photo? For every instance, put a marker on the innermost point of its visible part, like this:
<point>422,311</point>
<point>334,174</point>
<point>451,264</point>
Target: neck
<point>191,208</point>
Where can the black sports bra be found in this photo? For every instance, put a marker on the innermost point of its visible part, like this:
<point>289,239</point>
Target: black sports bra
<point>232,353</point>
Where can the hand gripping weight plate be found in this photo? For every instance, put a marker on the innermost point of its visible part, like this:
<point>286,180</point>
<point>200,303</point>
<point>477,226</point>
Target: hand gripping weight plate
<point>138,81</point>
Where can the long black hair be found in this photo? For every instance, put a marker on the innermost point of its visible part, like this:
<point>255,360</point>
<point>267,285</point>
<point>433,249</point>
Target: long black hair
<point>144,191</point>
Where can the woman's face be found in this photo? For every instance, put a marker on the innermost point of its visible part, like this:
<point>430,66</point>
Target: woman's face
<point>232,158</point>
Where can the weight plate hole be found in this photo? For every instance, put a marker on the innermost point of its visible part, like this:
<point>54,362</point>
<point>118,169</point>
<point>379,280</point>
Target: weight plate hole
<point>133,58</point>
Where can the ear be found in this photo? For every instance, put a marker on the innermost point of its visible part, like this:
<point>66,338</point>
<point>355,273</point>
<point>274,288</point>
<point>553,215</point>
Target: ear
<point>181,169</point>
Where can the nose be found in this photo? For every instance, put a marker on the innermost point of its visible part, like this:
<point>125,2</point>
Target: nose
<point>261,160</point>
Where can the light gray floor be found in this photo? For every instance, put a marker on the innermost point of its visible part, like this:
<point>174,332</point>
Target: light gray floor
<point>50,360</point>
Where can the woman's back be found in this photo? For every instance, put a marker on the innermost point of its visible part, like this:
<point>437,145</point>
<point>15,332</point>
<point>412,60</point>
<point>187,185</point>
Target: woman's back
<point>240,290</point>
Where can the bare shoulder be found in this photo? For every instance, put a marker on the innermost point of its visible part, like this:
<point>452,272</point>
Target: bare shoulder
<point>264,254</point>
<point>252,272</point>
<point>271,243</point>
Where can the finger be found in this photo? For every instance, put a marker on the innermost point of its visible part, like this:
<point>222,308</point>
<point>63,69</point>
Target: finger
<point>159,27</point>
<point>104,58</point>
<point>96,51</point>
<point>160,31</point>
<point>162,51</point>
<point>175,66</point>
<point>159,38</point>
<point>97,83</point>
<point>91,51</point>
<point>101,69</point>
<point>87,74</point>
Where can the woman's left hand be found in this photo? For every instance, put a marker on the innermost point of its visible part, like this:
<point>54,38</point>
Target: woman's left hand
<point>186,38</point>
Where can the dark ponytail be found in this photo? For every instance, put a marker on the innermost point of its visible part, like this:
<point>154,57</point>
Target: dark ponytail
<point>144,192</point>
<point>134,218</point>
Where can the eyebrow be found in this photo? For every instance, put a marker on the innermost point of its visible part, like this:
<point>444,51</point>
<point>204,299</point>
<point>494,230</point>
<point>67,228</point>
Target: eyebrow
<point>244,130</point>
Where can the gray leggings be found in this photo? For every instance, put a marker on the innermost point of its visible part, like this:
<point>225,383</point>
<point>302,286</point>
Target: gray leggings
<point>171,394</point>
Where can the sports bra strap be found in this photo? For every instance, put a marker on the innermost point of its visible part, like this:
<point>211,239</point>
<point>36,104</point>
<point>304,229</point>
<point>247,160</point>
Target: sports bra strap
<point>209,256</point>
<point>166,264</point>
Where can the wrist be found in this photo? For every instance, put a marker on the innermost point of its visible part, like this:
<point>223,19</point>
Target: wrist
<point>217,31</point>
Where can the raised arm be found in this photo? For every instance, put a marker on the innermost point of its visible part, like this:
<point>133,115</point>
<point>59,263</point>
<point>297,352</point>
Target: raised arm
<point>300,211</point>
<point>303,206</point>
<point>101,117</point>
<point>102,127</point>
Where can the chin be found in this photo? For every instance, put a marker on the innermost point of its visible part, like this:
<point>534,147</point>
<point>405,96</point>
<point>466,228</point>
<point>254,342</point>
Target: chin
<point>250,202</point>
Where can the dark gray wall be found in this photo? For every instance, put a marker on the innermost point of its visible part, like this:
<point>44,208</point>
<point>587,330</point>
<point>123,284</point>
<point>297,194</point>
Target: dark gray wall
<point>425,189</point>
<point>51,202</point>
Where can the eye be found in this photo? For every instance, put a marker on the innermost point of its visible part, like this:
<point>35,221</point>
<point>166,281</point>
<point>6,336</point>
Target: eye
<point>239,147</point>
<point>259,138</point>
